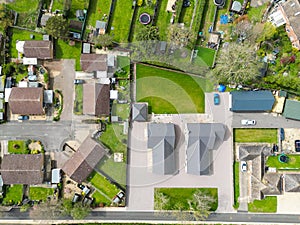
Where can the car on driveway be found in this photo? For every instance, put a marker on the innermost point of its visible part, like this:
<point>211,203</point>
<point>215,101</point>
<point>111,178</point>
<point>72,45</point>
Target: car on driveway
<point>216,99</point>
<point>248,122</point>
<point>243,166</point>
<point>78,81</point>
<point>297,145</point>
<point>23,117</point>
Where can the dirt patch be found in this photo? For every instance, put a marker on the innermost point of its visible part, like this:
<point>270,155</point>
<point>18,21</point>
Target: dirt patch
<point>288,144</point>
<point>35,146</point>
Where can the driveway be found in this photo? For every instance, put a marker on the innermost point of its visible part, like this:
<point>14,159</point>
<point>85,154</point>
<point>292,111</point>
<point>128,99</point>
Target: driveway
<point>142,182</point>
<point>62,73</point>
<point>244,186</point>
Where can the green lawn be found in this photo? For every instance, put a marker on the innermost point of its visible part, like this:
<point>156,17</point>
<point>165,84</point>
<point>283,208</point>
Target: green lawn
<point>21,35</point>
<point>267,205</point>
<point>170,92</point>
<point>102,184</point>
<point>187,13</point>
<point>58,4</point>
<point>40,193</point>
<point>113,138</point>
<point>123,62</point>
<point>97,9</point>
<point>206,55</point>
<point>255,14</point>
<point>163,20</point>
<point>182,195</point>
<point>17,147</point>
<point>236,180</point>
<point>255,135</point>
<point>78,99</point>
<point>121,110</point>
<point>66,51</point>
<point>121,20</point>
<point>137,25</point>
<point>99,198</point>
<point>292,164</point>
<point>13,194</point>
<point>116,170</point>
<point>78,4</point>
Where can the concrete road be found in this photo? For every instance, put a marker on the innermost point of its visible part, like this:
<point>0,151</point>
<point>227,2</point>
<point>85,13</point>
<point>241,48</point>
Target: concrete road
<point>52,134</point>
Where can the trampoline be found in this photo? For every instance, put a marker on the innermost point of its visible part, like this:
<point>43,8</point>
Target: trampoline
<point>283,158</point>
<point>145,18</point>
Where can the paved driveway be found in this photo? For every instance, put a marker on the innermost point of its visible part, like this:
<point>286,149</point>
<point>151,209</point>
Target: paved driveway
<point>141,181</point>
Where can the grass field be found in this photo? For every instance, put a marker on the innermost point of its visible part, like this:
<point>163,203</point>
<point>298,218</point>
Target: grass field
<point>116,170</point>
<point>182,195</point>
<point>97,9</point>
<point>267,205</point>
<point>236,180</point>
<point>123,62</point>
<point>163,20</point>
<point>113,138</point>
<point>170,92</point>
<point>58,4</point>
<point>78,99</point>
<point>121,110</point>
<point>40,193</point>
<point>292,164</point>
<point>102,184</point>
<point>255,135</point>
<point>21,35</point>
<point>13,194</point>
<point>66,51</point>
<point>17,147</point>
<point>255,14</point>
<point>99,198</point>
<point>121,20</point>
<point>207,55</point>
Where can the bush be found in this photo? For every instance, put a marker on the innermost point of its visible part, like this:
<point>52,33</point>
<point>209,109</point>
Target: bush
<point>46,78</point>
<point>140,2</point>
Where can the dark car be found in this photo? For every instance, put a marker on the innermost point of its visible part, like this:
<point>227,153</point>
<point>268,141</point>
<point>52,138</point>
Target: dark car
<point>297,145</point>
<point>186,3</point>
<point>281,134</point>
<point>23,117</point>
<point>216,99</point>
<point>77,81</point>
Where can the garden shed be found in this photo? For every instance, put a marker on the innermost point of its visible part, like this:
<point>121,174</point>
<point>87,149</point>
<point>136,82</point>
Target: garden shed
<point>291,109</point>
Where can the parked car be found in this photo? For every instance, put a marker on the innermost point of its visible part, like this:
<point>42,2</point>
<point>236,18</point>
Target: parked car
<point>119,197</point>
<point>297,145</point>
<point>23,117</point>
<point>243,166</point>
<point>77,81</point>
<point>248,122</point>
<point>216,99</point>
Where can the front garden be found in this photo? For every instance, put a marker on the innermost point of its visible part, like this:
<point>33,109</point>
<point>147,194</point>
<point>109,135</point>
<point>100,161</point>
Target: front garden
<point>170,92</point>
<point>78,102</point>
<point>13,194</point>
<point>245,135</point>
<point>25,147</point>
<point>266,205</point>
<point>40,193</point>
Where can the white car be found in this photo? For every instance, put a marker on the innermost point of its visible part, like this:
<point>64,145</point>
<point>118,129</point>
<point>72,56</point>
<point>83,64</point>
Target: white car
<point>243,166</point>
<point>248,122</point>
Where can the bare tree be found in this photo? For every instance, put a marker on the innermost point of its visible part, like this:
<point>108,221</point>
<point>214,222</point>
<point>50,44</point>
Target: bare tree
<point>236,64</point>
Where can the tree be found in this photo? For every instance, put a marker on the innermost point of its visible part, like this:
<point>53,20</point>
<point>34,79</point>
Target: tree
<point>79,212</point>
<point>57,26</point>
<point>201,205</point>
<point>6,17</point>
<point>236,64</point>
<point>267,32</point>
<point>160,200</point>
<point>179,35</point>
<point>148,33</point>
<point>104,41</point>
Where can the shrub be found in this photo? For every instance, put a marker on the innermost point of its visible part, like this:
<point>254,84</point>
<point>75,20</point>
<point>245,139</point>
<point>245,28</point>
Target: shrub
<point>46,78</point>
<point>140,2</point>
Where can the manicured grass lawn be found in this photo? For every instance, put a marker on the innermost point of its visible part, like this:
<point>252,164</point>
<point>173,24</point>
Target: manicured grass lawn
<point>116,170</point>
<point>40,193</point>
<point>121,110</point>
<point>236,180</point>
<point>99,198</point>
<point>207,55</point>
<point>103,184</point>
<point>17,147</point>
<point>182,195</point>
<point>255,135</point>
<point>112,138</point>
<point>121,20</point>
<point>97,9</point>
<point>13,194</point>
<point>78,99</point>
<point>171,92</point>
<point>187,14</point>
<point>58,4</point>
<point>123,62</point>
<point>292,164</point>
<point>78,5</point>
<point>66,51</point>
<point>267,205</point>
<point>163,20</point>
<point>23,5</point>
<point>21,35</point>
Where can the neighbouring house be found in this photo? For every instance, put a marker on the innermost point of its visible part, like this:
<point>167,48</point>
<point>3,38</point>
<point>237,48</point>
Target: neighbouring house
<point>96,99</point>
<point>26,101</point>
<point>161,141</point>
<point>261,183</point>
<point>22,169</point>
<point>291,109</point>
<point>288,13</point>
<point>139,112</point>
<point>82,163</point>
<point>251,101</point>
<point>37,49</point>
<point>103,65</point>
<point>202,139</point>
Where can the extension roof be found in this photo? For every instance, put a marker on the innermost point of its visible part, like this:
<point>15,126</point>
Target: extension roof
<point>93,62</point>
<point>38,49</point>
